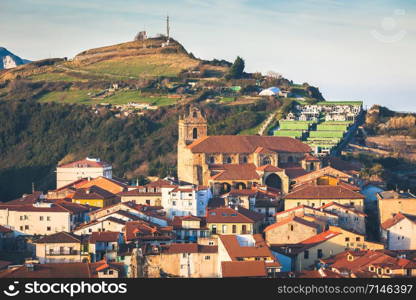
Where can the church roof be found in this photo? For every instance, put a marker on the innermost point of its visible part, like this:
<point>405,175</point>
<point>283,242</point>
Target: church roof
<point>247,144</point>
<point>235,172</point>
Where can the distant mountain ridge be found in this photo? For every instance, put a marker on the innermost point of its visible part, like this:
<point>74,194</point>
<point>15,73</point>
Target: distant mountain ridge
<point>9,60</point>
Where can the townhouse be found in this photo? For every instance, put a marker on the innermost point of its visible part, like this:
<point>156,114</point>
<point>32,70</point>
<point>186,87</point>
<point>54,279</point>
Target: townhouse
<point>244,248</point>
<point>348,218</point>
<point>61,247</point>
<point>399,232</point>
<point>225,220</point>
<point>393,202</point>
<point>186,200</point>
<point>190,228</point>
<point>369,263</point>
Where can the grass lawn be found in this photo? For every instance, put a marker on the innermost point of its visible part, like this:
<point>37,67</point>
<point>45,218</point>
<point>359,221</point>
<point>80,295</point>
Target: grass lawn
<point>149,65</point>
<point>70,96</point>
<point>121,97</point>
<point>55,76</point>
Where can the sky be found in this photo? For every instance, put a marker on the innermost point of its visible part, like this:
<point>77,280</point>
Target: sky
<point>352,50</point>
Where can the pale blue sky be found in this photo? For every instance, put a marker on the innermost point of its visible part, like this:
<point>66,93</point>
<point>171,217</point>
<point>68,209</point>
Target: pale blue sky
<point>353,49</point>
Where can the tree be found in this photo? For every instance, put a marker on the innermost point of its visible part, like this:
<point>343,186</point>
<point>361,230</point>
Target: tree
<point>237,69</point>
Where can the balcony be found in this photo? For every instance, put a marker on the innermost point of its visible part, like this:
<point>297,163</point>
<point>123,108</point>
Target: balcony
<point>62,253</point>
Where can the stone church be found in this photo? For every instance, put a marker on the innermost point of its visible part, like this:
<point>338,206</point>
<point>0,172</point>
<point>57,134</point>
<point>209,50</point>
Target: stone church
<point>228,162</point>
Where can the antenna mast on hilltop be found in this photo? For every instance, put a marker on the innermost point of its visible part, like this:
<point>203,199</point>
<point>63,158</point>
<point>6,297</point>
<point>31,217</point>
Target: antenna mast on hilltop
<point>167,28</point>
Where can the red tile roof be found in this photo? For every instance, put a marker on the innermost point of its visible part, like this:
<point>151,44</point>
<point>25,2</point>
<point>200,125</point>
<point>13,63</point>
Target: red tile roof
<point>234,172</point>
<point>59,237</point>
<point>85,163</point>
<point>237,251</point>
<point>92,192</point>
<point>396,219</point>
<point>104,236</point>
<point>53,270</point>
<point>247,144</point>
<point>269,168</point>
<point>323,192</point>
<point>229,215</point>
<point>243,269</point>
<point>319,238</point>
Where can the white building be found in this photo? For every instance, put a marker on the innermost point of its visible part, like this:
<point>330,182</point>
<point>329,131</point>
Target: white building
<point>399,232</point>
<point>271,91</point>
<point>37,218</point>
<point>85,168</point>
<point>185,200</point>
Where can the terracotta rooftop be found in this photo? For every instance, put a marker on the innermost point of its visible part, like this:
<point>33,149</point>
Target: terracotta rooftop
<point>247,144</point>
<point>59,237</point>
<point>86,163</point>
<point>396,219</point>
<point>229,215</point>
<point>323,192</point>
<point>104,236</point>
<point>361,260</point>
<point>53,270</point>
<point>234,172</point>
<point>269,168</point>
<point>236,250</point>
<point>92,192</point>
<point>107,184</point>
<point>243,269</point>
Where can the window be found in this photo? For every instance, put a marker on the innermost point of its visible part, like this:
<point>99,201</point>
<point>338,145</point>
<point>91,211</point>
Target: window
<point>174,203</point>
<point>195,133</point>
<point>148,202</point>
<point>48,218</point>
<point>266,161</point>
<point>228,160</point>
<point>184,255</point>
<point>224,228</point>
<point>357,239</point>
<point>306,254</point>
<point>214,229</point>
<point>320,254</point>
<point>347,239</point>
<point>234,228</point>
<point>211,159</point>
<point>41,218</point>
<point>207,257</point>
<point>291,227</point>
<point>244,229</point>
<point>290,159</point>
<point>110,272</point>
<point>26,227</point>
<point>48,228</point>
<point>245,159</point>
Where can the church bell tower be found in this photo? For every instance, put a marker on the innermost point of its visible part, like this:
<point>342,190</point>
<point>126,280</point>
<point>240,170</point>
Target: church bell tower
<point>192,127</point>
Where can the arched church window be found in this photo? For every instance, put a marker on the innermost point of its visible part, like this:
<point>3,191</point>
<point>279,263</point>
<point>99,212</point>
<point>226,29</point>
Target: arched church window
<point>195,133</point>
<point>228,160</point>
<point>266,161</point>
<point>245,159</point>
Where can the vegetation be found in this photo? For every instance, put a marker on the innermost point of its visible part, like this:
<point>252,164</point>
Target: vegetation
<point>237,69</point>
<point>35,137</point>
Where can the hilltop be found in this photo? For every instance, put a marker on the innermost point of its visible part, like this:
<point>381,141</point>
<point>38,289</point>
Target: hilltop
<point>62,109</point>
